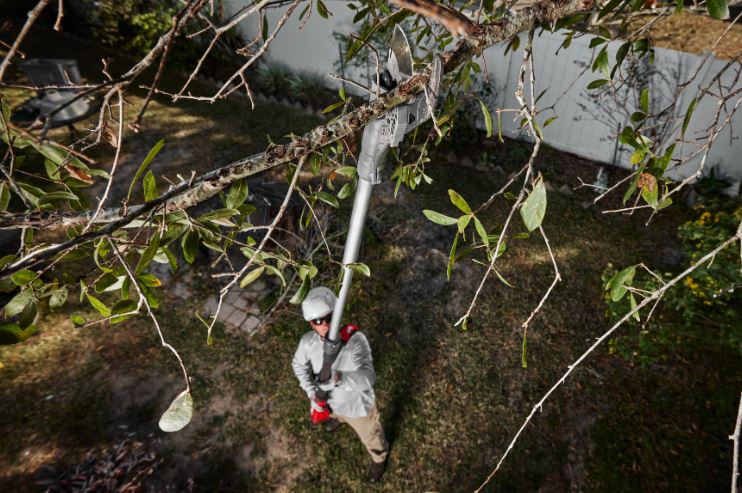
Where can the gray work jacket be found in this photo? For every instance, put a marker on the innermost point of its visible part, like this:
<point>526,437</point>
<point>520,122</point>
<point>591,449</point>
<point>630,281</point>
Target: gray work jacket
<point>354,395</point>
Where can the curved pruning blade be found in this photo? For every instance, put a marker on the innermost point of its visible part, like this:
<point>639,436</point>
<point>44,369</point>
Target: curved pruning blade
<point>400,56</point>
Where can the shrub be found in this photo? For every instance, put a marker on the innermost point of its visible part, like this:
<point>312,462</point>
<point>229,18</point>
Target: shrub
<point>705,310</point>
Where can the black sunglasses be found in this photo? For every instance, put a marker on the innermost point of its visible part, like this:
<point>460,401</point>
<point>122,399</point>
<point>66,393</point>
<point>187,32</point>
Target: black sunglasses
<point>320,321</point>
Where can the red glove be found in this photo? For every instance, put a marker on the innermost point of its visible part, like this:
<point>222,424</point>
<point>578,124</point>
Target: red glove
<point>319,411</point>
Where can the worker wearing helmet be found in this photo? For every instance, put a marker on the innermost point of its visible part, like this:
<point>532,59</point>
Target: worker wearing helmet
<point>349,397</point>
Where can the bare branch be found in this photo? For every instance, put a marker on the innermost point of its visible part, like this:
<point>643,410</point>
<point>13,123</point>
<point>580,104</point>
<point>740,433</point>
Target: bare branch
<point>32,16</point>
<point>143,299</point>
<point>456,22</point>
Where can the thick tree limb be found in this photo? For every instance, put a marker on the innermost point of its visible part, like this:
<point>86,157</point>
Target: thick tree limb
<point>453,20</point>
<point>188,193</point>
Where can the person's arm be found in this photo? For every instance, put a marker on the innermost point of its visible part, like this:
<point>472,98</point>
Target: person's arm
<point>302,367</point>
<point>364,376</point>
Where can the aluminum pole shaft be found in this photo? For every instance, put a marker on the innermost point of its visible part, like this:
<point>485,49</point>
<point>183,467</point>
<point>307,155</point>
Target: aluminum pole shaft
<point>350,255</point>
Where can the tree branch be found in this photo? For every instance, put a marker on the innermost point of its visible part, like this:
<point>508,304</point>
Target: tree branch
<point>188,193</point>
<point>539,405</point>
<point>456,22</point>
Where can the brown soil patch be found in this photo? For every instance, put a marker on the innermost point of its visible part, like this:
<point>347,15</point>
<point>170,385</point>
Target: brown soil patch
<point>696,33</point>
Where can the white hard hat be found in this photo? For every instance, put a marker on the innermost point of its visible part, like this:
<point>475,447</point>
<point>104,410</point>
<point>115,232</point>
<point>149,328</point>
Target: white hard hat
<point>318,303</point>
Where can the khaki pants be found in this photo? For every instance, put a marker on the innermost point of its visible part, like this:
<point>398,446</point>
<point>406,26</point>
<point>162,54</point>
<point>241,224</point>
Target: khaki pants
<point>369,430</point>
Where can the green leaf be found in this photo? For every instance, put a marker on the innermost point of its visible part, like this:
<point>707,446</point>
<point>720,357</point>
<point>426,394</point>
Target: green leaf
<point>237,194</point>
<point>11,333</point>
<point>264,28</point>
<point>322,9</point>
<point>649,194</point>
<point>301,293</point>
<point>644,100</point>
<point>123,306</point>
<point>18,303</point>
<point>4,196</point>
<point>597,41</point>
<point>718,9</point>
<point>597,83</point>
<point>502,279</point>
<point>439,218</point>
<point>549,121</point>
<point>53,197</point>
<point>346,190</point>
<point>77,320</point>
<point>143,167</point>
<point>251,276</point>
<point>58,297</point>
<point>487,117</point>
<point>621,53</point>
<point>632,301</point>
<point>523,361</point>
<point>452,256</point>
<point>179,414</point>
<point>189,243</point>
<point>459,202</point>
<point>218,215</point>
<point>148,254</point>
<point>360,268</point>
<point>98,305</point>
<point>172,260</point>
<point>463,222</point>
<point>617,282</point>
<point>23,277</point>
<point>688,114</point>
<point>106,282</point>
<point>534,207</point>
<point>150,187</point>
<point>328,199</point>
<point>481,231</point>
<point>149,280</point>
<point>347,171</point>
<point>52,170</point>
<point>333,106</point>
<point>276,272</point>
<point>638,116</point>
<point>601,62</point>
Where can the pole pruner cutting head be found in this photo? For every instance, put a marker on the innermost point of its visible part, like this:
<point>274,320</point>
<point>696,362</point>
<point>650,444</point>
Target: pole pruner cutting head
<point>407,117</point>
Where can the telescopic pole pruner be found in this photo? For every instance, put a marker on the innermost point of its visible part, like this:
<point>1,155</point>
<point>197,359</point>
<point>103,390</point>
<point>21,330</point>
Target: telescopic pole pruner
<point>378,136</point>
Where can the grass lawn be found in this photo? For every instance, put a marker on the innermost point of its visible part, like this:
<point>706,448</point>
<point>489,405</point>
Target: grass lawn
<point>450,399</point>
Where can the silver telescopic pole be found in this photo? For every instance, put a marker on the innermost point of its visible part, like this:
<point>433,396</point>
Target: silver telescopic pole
<point>352,245</point>
<point>374,147</point>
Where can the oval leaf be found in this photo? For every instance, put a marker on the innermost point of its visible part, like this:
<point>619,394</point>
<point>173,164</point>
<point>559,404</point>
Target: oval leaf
<point>534,207</point>
<point>251,276</point>
<point>459,201</point>
<point>179,414</point>
<point>439,218</point>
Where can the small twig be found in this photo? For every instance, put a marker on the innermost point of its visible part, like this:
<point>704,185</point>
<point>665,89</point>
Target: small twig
<point>557,278</point>
<point>60,14</point>
<point>143,300</point>
<point>350,81</point>
<point>119,145</point>
<point>32,16</point>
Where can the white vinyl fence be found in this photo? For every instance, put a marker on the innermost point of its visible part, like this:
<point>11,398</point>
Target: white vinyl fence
<point>588,121</point>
